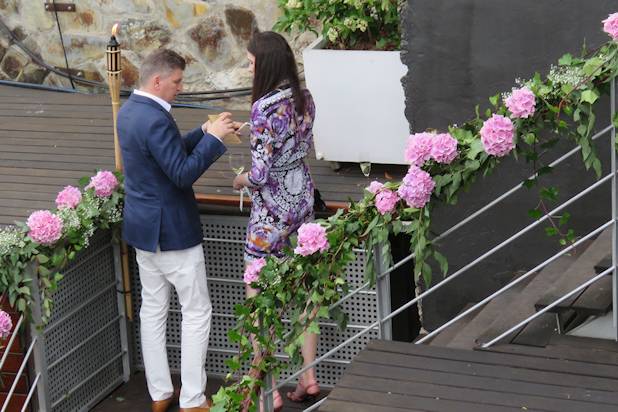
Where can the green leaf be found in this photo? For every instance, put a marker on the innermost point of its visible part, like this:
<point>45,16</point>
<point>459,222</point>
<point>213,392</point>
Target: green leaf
<point>564,218</point>
<point>592,66</point>
<point>535,214</point>
<point>441,261</point>
<point>589,96</point>
<point>475,148</point>
<point>529,183</point>
<point>530,138</point>
<point>565,60</point>
<point>494,100</point>
<point>551,231</point>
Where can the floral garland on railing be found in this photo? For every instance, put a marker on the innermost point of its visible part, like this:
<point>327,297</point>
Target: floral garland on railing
<point>528,121</point>
<point>51,239</point>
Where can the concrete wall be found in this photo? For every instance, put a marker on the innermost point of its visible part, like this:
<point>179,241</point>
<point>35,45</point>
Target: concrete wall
<point>460,52</point>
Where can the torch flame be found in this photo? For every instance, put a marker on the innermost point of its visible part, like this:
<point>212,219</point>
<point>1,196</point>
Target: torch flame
<point>114,29</point>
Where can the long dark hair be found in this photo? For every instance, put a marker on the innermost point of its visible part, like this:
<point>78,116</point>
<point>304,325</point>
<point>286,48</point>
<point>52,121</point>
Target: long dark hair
<point>274,64</point>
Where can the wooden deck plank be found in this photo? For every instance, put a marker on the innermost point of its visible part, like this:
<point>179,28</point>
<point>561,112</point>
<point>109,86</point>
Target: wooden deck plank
<point>466,367</point>
<point>504,384</point>
<point>406,376</point>
<point>366,400</point>
<point>485,397</point>
<point>586,355</point>
<point>483,357</point>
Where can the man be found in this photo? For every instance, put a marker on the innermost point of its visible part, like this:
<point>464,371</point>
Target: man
<point>162,223</point>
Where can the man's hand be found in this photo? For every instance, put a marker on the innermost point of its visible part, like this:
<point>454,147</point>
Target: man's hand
<point>220,127</point>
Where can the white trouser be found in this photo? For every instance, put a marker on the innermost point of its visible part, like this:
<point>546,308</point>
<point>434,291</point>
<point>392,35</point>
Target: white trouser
<point>186,271</point>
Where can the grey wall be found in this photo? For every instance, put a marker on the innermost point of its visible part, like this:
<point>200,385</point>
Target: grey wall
<point>460,52</point>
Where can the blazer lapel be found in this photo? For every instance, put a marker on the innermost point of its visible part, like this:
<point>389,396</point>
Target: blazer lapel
<point>145,100</point>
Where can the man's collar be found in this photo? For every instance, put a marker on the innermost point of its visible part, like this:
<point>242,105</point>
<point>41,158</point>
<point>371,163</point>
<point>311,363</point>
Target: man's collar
<point>159,100</point>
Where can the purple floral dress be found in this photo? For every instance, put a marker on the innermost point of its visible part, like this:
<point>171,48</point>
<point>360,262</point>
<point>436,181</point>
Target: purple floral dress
<point>282,192</point>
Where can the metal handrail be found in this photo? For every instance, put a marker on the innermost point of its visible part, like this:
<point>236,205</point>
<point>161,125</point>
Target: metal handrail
<point>515,282</point>
<point>471,217</point>
<point>444,281</point>
<point>9,395</point>
<point>10,343</point>
<point>31,392</point>
<point>547,308</point>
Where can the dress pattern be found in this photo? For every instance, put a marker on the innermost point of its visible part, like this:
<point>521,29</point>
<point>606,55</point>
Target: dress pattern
<point>282,189</point>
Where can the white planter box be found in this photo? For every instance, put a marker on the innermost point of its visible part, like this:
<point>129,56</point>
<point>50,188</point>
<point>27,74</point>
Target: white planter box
<point>359,104</point>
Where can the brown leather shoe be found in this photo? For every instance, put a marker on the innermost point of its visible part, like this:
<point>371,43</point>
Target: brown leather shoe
<point>164,405</point>
<point>205,407</point>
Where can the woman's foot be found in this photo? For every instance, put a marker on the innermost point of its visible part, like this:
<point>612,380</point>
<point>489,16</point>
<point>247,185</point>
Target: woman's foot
<point>304,392</point>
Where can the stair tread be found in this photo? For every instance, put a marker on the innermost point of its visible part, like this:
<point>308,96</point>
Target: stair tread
<point>523,305</point>
<point>582,269</point>
<point>595,300</point>
<point>447,335</point>
<point>538,332</point>
<point>467,338</point>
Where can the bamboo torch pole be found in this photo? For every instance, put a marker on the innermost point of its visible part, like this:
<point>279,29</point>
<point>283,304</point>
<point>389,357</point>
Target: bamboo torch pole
<point>113,79</point>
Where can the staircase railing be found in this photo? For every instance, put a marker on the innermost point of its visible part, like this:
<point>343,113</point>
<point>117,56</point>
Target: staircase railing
<point>33,387</point>
<point>386,317</point>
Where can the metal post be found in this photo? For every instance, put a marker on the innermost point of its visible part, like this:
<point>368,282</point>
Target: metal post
<point>266,394</point>
<point>614,206</point>
<point>40,360</point>
<point>120,299</point>
<point>383,293</point>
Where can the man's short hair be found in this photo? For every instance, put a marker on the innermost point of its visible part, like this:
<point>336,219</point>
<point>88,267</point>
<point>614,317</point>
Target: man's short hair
<point>162,62</point>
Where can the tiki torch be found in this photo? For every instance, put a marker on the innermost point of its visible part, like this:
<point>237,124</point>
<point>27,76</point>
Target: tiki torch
<point>113,79</point>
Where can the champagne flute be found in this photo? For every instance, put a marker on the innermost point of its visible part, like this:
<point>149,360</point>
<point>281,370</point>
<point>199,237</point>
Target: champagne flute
<point>237,164</point>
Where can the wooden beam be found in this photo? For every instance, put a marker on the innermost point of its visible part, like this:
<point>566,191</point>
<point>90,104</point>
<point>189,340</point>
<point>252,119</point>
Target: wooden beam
<point>228,200</point>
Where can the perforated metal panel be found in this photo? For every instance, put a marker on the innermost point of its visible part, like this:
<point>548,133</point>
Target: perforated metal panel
<point>83,349</point>
<point>223,249</point>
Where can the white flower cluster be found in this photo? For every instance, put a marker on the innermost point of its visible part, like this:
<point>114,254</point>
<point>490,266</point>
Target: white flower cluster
<point>570,75</point>
<point>358,4</point>
<point>10,237</point>
<point>332,34</point>
<point>70,219</point>
<point>115,215</point>
<point>354,23</point>
<point>294,4</point>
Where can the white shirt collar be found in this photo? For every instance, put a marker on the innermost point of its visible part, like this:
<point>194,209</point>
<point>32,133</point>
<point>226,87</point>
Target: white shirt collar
<point>159,100</point>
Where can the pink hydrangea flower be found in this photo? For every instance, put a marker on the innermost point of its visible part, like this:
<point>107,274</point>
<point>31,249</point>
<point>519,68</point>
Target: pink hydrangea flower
<point>497,135</point>
<point>374,187</point>
<point>521,103</point>
<point>419,148</point>
<point>68,198</point>
<point>610,26</point>
<point>386,200</point>
<point>45,227</point>
<point>104,183</point>
<point>311,238</point>
<point>416,187</point>
<point>5,324</point>
<point>252,273</point>
<point>444,148</point>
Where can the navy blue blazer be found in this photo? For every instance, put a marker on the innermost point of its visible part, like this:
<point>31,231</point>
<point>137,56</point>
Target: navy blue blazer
<point>160,167</point>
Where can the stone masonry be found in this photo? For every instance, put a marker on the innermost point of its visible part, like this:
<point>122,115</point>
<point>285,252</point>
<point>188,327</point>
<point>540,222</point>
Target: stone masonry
<point>211,34</point>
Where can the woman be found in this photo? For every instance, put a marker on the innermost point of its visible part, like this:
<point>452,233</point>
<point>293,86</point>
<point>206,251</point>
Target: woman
<point>281,187</point>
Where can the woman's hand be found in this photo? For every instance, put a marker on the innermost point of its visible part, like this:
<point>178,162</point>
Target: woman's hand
<point>240,181</point>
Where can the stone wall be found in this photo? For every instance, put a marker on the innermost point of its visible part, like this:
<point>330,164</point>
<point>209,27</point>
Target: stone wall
<point>211,34</point>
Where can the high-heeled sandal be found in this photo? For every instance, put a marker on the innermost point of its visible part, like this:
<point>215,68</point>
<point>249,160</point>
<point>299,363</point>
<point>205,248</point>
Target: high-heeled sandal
<point>304,392</point>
